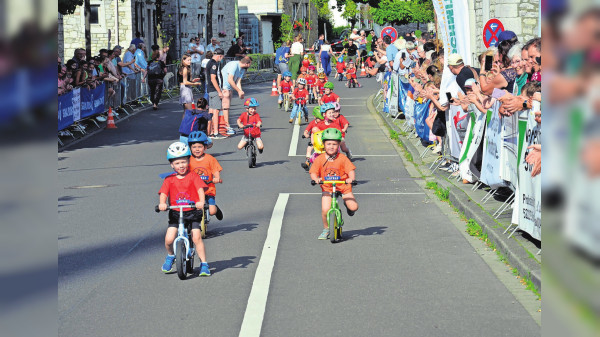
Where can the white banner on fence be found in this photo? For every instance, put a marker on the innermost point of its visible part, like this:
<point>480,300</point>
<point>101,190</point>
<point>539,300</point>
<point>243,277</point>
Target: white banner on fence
<point>471,144</point>
<point>453,20</point>
<point>492,148</point>
<point>457,122</point>
<point>394,95</point>
<point>530,188</point>
<point>509,151</point>
<point>409,110</point>
<point>76,104</point>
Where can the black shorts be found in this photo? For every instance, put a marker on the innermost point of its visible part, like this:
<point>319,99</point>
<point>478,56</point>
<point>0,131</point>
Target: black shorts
<point>382,68</point>
<point>194,217</point>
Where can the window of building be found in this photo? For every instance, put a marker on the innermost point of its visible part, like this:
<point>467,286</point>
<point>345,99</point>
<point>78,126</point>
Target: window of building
<point>94,14</point>
<point>295,12</point>
<point>202,25</point>
<point>305,12</point>
<point>221,23</point>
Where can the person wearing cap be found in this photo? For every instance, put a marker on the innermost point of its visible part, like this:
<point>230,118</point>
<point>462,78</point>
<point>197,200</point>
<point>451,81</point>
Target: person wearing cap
<point>462,72</point>
<point>214,81</point>
<point>506,36</point>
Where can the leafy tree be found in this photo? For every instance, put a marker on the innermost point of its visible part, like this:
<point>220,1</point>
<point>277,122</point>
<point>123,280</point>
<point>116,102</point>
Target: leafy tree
<point>285,29</point>
<point>399,12</point>
<point>350,12</point>
<point>68,6</point>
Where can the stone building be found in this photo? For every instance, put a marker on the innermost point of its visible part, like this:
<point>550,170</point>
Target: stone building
<point>520,16</point>
<point>122,18</point>
<point>260,20</point>
<point>184,19</point>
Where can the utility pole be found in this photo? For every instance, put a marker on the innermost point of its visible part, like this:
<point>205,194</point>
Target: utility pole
<point>88,37</point>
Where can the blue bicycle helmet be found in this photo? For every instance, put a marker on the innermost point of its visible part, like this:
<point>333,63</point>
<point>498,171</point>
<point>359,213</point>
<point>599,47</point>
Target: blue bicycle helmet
<point>253,102</point>
<point>198,137</point>
<point>327,106</point>
<point>287,73</point>
<point>178,150</point>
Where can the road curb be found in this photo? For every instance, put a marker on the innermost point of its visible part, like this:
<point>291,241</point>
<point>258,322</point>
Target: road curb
<point>516,255</point>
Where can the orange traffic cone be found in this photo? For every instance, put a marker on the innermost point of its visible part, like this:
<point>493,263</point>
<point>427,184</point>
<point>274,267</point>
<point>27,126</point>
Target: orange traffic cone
<point>222,126</point>
<point>274,89</point>
<point>363,72</point>
<point>110,124</point>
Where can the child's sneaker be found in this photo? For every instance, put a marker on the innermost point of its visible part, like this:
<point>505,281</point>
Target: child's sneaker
<point>260,151</point>
<point>305,165</point>
<point>204,270</point>
<point>230,131</point>
<point>167,267</point>
<point>280,105</point>
<point>349,154</point>
<point>324,235</point>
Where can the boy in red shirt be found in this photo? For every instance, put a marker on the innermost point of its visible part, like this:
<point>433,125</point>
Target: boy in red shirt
<point>299,96</point>
<point>303,74</point>
<point>251,117</point>
<point>333,165</point>
<point>340,67</point>
<point>311,80</point>
<point>351,76</point>
<point>321,80</point>
<point>285,86</point>
<point>207,167</point>
<point>306,61</point>
<point>328,95</point>
<point>182,188</point>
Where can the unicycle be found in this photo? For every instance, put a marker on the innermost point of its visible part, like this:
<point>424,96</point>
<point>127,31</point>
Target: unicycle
<point>183,244</point>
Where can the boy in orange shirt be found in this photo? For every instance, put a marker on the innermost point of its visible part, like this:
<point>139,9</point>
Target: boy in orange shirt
<point>207,167</point>
<point>337,166</point>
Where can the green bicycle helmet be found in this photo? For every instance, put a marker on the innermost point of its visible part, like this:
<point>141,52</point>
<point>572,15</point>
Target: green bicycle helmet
<point>317,112</point>
<point>328,85</point>
<point>332,134</point>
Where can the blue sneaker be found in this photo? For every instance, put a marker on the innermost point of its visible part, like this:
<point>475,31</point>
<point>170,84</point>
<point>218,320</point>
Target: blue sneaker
<point>324,235</point>
<point>204,270</point>
<point>167,267</point>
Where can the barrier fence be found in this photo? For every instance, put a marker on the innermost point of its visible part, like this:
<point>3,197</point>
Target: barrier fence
<point>500,143</point>
<point>85,104</point>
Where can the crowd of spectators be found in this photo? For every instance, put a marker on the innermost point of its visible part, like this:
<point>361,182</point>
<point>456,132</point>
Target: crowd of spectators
<point>514,70</point>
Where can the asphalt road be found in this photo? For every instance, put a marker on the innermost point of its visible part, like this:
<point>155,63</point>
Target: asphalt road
<point>403,269</point>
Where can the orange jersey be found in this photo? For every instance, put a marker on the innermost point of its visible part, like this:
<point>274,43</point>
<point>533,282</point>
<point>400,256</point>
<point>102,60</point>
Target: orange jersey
<point>206,167</point>
<point>338,167</point>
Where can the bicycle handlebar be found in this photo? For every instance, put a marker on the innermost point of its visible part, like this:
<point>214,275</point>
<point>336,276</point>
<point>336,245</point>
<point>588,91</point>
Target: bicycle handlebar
<point>174,207</point>
<point>337,182</point>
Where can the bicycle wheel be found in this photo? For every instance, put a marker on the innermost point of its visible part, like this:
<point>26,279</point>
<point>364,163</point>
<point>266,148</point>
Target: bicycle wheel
<point>203,225</point>
<point>332,227</point>
<point>189,265</point>
<point>249,152</point>
<point>180,259</point>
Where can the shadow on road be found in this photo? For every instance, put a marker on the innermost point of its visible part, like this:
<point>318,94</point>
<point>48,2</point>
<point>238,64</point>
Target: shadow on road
<point>270,163</point>
<point>220,231</point>
<point>219,266</point>
<point>376,230</point>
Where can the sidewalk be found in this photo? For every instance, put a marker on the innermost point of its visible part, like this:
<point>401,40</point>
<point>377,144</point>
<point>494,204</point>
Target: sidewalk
<point>520,250</point>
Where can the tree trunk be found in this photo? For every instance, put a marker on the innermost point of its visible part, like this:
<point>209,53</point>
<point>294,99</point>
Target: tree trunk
<point>88,36</point>
<point>209,23</point>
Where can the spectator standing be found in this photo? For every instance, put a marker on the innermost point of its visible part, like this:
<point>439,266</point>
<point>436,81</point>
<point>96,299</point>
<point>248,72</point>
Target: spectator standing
<point>462,72</point>
<point>373,37</point>
<point>156,72</point>
<point>186,83</point>
<point>78,56</point>
<point>297,51</point>
<point>140,58</point>
<point>351,50</point>
<point>237,50</point>
<point>362,41</point>
<point>214,82</point>
<point>127,66</point>
<point>325,56</point>
<point>214,44</point>
<point>390,50</point>
<point>354,35</point>
<point>232,73</point>
<point>137,39</point>
<point>282,56</point>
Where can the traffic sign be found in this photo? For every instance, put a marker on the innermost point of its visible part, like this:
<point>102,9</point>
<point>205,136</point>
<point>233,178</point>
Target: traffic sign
<point>391,32</point>
<point>491,30</point>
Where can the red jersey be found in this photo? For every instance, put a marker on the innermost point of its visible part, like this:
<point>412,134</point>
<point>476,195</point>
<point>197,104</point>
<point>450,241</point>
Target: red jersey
<point>246,119</point>
<point>181,191</point>
<point>302,94</point>
<point>342,121</point>
<point>305,63</point>
<point>331,98</point>
<point>340,67</point>
<point>351,73</point>
<point>311,125</point>
<point>320,84</point>
<point>311,79</point>
<point>286,86</point>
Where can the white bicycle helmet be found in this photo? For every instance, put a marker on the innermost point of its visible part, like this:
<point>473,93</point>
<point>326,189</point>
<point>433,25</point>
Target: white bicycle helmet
<point>178,150</point>
<point>320,70</point>
<point>301,81</point>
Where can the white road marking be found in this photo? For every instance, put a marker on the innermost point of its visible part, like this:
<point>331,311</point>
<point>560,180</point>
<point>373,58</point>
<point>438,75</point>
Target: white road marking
<point>362,193</point>
<point>294,142</point>
<point>257,301</point>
